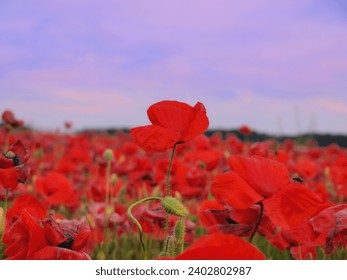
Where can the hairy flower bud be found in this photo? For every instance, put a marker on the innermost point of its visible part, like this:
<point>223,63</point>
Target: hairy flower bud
<point>173,206</point>
<point>179,231</point>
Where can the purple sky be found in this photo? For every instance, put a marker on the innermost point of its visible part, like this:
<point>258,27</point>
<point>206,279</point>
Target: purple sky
<point>278,66</point>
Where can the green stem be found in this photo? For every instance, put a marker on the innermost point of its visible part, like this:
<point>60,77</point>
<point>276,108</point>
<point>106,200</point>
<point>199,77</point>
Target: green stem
<point>168,189</point>
<point>108,173</point>
<point>131,216</point>
<point>6,201</point>
<point>166,229</point>
<point>107,200</point>
<point>258,221</point>
<point>168,193</point>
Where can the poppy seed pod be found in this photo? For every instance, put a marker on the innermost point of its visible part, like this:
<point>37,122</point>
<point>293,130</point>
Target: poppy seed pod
<point>173,206</point>
<point>108,154</point>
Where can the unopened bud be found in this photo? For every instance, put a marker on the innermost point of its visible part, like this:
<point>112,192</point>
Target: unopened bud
<point>179,231</point>
<point>173,206</point>
<point>108,154</point>
<point>114,179</point>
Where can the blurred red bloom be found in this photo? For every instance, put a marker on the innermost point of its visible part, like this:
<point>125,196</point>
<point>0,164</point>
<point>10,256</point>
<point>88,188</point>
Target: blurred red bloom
<point>67,124</point>
<point>9,118</point>
<point>245,130</point>
<point>56,188</point>
<point>218,246</point>
<point>13,167</point>
<point>173,122</point>
<point>29,202</point>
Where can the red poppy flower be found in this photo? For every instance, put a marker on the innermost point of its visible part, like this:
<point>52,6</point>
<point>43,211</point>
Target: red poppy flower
<point>245,130</point>
<point>307,168</point>
<point>9,118</point>
<point>257,179</point>
<point>71,235</point>
<point>24,238</point>
<point>35,206</point>
<point>218,246</point>
<point>172,122</point>
<point>13,167</point>
<point>56,188</point>
<point>67,124</point>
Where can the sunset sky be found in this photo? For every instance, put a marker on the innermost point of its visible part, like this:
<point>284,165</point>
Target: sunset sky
<point>278,66</point>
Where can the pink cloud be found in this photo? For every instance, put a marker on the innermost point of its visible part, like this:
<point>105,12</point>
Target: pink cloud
<point>332,106</point>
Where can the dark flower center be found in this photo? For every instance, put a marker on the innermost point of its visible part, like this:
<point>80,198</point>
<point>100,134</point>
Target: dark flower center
<point>68,242</point>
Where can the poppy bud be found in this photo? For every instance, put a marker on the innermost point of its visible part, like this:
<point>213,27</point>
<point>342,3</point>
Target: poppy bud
<point>108,154</point>
<point>173,206</point>
<point>114,179</point>
<point>179,231</point>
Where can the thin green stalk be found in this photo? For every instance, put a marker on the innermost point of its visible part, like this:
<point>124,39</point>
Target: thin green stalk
<point>131,216</point>
<point>168,193</point>
<point>168,187</point>
<point>108,173</point>
<point>107,200</point>
<point>4,216</point>
<point>6,201</point>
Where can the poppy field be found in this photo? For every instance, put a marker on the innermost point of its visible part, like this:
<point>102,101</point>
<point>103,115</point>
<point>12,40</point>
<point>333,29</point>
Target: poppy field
<point>167,191</point>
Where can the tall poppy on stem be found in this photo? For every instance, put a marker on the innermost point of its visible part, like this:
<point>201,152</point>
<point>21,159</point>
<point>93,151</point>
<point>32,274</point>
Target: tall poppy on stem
<point>173,123</point>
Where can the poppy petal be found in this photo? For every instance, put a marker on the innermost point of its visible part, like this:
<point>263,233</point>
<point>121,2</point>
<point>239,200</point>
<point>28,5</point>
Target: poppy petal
<point>218,246</point>
<point>231,189</point>
<point>153,138</point>
<point>291,206</point>
<point>198,125</point>
<point>172,115</point>
<point>57,253</point>
<point>8,178</point>
<point>264,175</point>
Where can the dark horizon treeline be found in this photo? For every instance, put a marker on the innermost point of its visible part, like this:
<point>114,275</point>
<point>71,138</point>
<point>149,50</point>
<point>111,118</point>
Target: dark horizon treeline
<point>322,140</point>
